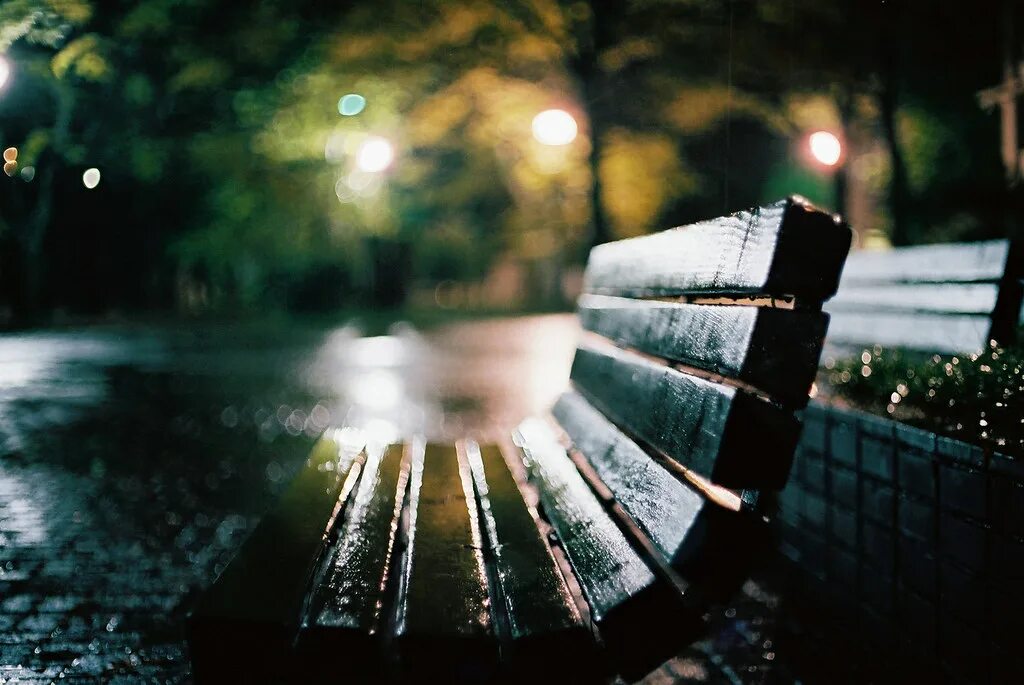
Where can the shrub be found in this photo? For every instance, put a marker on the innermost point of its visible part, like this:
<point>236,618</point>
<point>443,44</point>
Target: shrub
<point>977,398</point>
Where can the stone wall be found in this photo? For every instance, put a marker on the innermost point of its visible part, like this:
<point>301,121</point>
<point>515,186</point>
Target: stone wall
<point>907,542</point>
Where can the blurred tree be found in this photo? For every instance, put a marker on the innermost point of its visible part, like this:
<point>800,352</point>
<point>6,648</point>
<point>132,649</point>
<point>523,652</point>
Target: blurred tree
<point>230,174</point>
<point>48,138</point>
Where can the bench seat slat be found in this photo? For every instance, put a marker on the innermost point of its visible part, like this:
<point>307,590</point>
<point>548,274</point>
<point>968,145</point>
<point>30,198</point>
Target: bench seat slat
<point>536,606</point>
<point>346,605</point>
<point>443,619</point>
<point>626,601</point>
<point>727,436</point>
<point>785,248</point>
<point>774,350</point>
<point>707,544</point>
<point>246,621</point>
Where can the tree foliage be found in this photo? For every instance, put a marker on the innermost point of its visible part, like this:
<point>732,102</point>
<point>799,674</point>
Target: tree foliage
<point>229,174</point>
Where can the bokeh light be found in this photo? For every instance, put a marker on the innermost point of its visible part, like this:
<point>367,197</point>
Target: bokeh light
<point>375,154</point>
<point>351,104</point>
<point>91,178</point>
<point>825,147</point>
<point>554,127</point>
<point>334,148</point>
<point>11,154</point>
<point>5,71</point>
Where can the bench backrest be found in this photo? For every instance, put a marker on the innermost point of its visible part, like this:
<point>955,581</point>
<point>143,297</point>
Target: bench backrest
<point>717,328</point>
<point>701,343</point>
<point>950,298</point>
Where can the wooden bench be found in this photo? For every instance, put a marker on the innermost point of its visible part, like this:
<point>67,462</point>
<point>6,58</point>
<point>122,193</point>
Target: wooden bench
<point>590,542</point>
<point>949,298</point>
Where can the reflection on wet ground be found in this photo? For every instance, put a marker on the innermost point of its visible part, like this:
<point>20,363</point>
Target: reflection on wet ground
<point>133,461</point>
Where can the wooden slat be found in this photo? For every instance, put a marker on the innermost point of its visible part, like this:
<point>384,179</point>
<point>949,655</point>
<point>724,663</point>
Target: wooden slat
<point>632,609</point>
<point>947,334</point>
<point>785,248</point>
<point>727,436</point>
<point>538,617</point>
<point>774,350</point>
<point>982,261</point>
<point>938,298</point>
<point>443,621</point>
<point>244,624</point>
<point>346,609</point>
<point>710,546</point>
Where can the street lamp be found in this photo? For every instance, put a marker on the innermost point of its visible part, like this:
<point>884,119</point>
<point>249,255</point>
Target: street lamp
<point>554,127</point>
<point>375,154</point>
<point>825,148</point>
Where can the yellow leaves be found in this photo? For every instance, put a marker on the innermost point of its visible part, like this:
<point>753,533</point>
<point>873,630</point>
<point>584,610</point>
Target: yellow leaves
<point>84,58</point>
<point>530,49</point>
<point>697,109</point>
<point>640,174</point>
<point>813,112</point>
<point>200,74</point>
<point>630,50</point>
<point>434,119</point>
<point>72,11</point>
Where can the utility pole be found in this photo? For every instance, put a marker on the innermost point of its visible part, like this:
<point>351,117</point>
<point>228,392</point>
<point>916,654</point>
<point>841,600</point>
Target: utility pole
<point>1005,97</point>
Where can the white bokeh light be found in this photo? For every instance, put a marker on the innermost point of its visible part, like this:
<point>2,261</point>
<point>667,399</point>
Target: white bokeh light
<point>91,178</point>
<point>375,154</point>
<point>825,147</point>
<point>5,71</point>
<point>554,127</point>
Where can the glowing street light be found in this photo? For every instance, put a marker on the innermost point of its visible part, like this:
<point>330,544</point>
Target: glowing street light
<point>375,154</point>
<point>91,178</point>
<point>825,147</point>
<point>554,127</point>
<point>5,71</point>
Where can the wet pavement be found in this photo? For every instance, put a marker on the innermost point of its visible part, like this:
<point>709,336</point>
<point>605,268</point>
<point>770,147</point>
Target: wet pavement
<point>133,461</point>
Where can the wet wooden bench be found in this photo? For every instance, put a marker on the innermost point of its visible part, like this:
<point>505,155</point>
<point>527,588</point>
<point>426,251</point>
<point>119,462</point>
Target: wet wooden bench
<point>590,542</point>
<point>950,298</point>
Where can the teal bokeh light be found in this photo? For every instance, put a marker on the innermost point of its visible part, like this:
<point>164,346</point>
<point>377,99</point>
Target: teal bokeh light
<point>351,104</point>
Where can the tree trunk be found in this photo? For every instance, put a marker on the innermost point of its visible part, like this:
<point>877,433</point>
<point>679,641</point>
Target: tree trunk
<point>28,308</point>
<point>600,230</point>
<point>901,233</point>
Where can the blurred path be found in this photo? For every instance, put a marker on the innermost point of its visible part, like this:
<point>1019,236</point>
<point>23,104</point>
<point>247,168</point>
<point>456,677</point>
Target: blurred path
<point>132,463</point>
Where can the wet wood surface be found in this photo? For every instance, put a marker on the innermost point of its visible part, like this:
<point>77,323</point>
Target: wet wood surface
<point>626,600</point>
<point>708,545</point>
<point>784,248</point>
<point>852,331</point>
<point>347,605</point>
<point>725,435</point>
<point>253,609</point>
<point>536,613</point>
<point>935,298</point>
<point>946,263</point>
<point>443,619</point>
<point>773,350</point>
